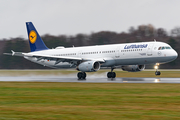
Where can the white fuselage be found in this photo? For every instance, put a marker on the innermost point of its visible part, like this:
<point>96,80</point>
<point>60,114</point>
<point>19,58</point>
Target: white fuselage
<point>114,55</point>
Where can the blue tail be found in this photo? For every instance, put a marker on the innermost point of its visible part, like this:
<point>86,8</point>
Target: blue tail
<point>35,41</point>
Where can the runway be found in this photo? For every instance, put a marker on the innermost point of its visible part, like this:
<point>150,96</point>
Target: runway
<point>90,79</point>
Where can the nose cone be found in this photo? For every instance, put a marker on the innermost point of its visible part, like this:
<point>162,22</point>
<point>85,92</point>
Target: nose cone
<point>174,54</point>
<point>171,55</point>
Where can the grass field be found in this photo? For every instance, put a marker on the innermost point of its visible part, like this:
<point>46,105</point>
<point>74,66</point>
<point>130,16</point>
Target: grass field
<point>89,101</point>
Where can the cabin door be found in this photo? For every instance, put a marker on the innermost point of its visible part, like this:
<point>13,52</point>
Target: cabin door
<point>149,51</point>
<point>117,52</point>
<point>80,54</point>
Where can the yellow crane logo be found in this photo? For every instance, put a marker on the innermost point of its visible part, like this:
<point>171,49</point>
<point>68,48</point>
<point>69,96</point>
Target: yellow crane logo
<point>32,36</point>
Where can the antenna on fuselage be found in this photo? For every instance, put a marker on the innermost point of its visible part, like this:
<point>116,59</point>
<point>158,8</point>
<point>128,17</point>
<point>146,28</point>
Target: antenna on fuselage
<point>154,40</point>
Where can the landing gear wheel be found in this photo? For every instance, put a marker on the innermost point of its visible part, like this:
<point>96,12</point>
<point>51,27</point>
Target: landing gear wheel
<point>81,75</point>
<point>157,73</point>
<point>84,76</point>
<point>111,74</point>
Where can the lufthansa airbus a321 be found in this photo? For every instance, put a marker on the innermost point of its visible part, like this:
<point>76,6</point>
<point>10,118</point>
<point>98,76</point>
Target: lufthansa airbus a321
<point>130,57</point>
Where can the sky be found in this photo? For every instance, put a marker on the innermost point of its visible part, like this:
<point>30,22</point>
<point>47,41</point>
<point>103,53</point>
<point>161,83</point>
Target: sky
<point>70,17</point>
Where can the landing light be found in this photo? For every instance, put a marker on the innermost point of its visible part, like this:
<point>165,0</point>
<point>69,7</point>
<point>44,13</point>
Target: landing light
<point>157,64</point>
<point>155,67</point>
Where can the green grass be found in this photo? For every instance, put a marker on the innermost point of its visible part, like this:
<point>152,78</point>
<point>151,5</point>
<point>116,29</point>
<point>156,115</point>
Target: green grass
<point>88,101</point>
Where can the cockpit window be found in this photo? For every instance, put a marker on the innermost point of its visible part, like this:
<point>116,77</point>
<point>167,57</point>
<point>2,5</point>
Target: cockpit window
<point>168,48</point>
<point>164,47</point>
<point>159,48</point>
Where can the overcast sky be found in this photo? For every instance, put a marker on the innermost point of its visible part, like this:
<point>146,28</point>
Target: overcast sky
<point>70,17</point>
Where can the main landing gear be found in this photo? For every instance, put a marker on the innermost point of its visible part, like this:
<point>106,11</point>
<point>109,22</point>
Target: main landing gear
<point>111,74</point>
<point>156,68</point>
<point>81,75</point>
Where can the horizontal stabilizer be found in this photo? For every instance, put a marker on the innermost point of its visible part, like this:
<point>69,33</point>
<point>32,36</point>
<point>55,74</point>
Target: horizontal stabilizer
<point>15,53</point>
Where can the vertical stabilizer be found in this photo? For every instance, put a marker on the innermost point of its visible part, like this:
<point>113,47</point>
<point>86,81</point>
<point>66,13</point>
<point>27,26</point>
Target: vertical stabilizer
<point>35,41</point>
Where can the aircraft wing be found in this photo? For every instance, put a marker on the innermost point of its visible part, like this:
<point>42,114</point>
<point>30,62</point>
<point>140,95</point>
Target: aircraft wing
<point>61,58</point>
<point>58,59</point>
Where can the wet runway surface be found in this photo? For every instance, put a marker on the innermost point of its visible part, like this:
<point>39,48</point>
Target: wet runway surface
<point>88,80</point>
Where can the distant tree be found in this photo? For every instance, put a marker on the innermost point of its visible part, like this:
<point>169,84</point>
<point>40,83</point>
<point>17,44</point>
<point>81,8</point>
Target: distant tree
<point>146,30</point>
<point>161,32</point>
<point>55,41</point>
<point>172,42</point>
<point>175,32</point>
<point>103,37</point>
<point>131,30</point>
<point>81,39</point>
<point>18,45</point>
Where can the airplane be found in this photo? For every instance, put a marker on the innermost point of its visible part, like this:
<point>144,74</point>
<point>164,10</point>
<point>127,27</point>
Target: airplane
<point>131,57</point>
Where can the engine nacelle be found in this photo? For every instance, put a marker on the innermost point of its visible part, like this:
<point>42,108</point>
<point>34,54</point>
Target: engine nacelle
<point>133,68</point>
<point>89,66</point>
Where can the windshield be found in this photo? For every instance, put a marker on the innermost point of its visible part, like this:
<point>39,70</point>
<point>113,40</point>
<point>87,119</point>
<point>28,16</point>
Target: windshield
<point>164,47</point>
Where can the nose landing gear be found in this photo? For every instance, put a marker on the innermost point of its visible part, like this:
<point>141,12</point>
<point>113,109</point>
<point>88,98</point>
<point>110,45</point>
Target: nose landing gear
<point>156,68</point>
<point>157,73</point>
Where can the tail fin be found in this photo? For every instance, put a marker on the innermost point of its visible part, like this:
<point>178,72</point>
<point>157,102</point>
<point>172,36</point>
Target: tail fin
<point>35,41</point>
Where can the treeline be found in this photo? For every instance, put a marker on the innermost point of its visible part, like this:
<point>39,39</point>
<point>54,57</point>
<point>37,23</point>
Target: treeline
<point>142,33</point>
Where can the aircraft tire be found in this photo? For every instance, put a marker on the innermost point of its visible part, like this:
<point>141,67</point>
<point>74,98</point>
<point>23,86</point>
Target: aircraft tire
<point>81,75</point>
<point>111,74</point>
<point>84,75</point>
<point>157,73</point>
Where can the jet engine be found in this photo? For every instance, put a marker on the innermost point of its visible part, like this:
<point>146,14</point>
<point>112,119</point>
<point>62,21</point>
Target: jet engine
<point>89,66</point>
<point>133,68</point>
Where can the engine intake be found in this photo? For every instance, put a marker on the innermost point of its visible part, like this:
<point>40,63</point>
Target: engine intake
<point>133,68</point>
<point>89,66</point>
